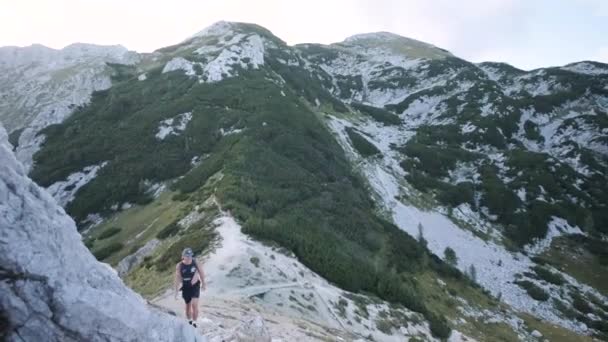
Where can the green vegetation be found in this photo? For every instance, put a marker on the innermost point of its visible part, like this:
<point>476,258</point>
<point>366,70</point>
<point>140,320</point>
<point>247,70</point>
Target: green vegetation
<point>436,150</point>
<point>533,290</point>
<point>348,85</point>
<point>119,127</point>
<point>580,303</point>
<point>549,276</point>
<point>13,137</point>
<point>108,233</point>
<point>450,256</point>
<point>532,132</point>
<point>341,307</point>
<point>89,243</point>
<point>393,78</point>
<point>361,144</point>
<point>170,230</point>
<point>587,267</point>
<point>553,332</point>
<point>255,261</point>
<point>384,325</point>
<point>403,105</point>
<point>378,114</point>
<point>284,177</point>
<point>104,252</point>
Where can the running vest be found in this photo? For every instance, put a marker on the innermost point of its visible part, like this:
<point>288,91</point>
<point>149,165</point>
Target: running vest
<point>187,271</point>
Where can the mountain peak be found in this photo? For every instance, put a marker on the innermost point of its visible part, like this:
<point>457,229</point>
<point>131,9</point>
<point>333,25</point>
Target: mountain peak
<point>382,35</point>
<point>399,44</point>
<point>216,29</point>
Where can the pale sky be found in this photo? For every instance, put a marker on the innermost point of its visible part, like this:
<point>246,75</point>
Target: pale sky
<point>525,33</point>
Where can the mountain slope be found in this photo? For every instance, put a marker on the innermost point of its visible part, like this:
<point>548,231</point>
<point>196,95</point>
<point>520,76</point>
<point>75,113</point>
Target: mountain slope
<point>42,86</point>
<point>279,168</point>
<point>334,151</point>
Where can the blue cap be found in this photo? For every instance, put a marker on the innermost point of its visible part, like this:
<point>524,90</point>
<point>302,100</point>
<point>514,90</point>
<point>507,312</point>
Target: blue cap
<point>187,253</point>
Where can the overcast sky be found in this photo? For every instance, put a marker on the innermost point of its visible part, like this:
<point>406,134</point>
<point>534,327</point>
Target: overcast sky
<point>525,33</point>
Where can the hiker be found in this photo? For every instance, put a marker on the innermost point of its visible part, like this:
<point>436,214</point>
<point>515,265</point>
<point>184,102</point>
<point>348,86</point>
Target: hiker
<point>190,276</point>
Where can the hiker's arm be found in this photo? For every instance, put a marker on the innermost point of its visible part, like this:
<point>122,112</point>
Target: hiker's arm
<point>201,275</point>
<point>178,278</point>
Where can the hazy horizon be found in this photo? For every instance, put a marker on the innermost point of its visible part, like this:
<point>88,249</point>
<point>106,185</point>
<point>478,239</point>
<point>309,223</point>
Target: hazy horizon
<point>526,35</point>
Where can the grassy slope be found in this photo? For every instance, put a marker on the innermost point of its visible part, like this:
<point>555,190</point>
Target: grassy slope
<point>571,257</point>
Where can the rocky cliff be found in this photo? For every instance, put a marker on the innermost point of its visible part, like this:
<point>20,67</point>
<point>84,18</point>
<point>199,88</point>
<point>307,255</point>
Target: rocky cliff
<point>51,287</point>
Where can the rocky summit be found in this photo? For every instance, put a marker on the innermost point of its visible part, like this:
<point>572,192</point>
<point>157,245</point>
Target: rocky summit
<point>380,188</point>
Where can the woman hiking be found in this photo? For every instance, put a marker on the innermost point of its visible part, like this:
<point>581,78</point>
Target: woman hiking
<point>189,275</point>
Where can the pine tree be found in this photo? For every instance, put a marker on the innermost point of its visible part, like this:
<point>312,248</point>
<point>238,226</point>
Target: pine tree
<point>473,273</point>
<point>421,238</point>
<point>450,257</point>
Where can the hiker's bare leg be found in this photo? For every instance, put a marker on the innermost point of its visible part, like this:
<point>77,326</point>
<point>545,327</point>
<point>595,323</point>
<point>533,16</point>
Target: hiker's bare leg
<point>194,308</point>
<point>188,311</point>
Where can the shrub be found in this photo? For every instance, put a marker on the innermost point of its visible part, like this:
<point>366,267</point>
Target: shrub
<point>109,232</point>
<point>348,84</point>
<point>361,144</point>
<point>255,261</point>
<point>439,326</point>
<point>170,230</point>
<point>600,325</point>
<point>108,250</point>
<point>532,132</point>
<point>89,243</point>
<point>549,276</point>
<point>472,273</point>
<point>180,197</point>
<point>13,137</point>
<point>341,306</point>
<point>379,114</point>
<point>450,256</point>
<point>384,325</point>
<point>580,303</point>
<point>135,248</point>
<point>456,195</point>
<point>533,290</point>
<point>564,308</point>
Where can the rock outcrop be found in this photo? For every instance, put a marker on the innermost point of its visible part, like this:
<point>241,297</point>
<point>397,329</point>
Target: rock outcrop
<point>51,287</point>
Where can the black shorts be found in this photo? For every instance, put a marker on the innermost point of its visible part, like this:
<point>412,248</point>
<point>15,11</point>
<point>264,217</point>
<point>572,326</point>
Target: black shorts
<point>190,291</point>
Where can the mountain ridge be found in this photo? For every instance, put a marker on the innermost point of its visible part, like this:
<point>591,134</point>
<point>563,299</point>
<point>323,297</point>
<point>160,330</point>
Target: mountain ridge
<point>473,157</point>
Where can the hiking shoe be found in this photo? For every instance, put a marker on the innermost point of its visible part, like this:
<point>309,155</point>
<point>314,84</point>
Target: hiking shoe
<point>190,322</point>
<point>194,324</point>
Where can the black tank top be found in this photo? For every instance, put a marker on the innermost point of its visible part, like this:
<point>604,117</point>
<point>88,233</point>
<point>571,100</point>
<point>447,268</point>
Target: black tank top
<point>187,271</point>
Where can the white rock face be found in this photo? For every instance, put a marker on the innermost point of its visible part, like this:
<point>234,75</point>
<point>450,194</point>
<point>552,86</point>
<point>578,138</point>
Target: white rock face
<point>40,86</point>
<point>126,264</point>
<point>51,287</point>
<point>378,58</point>
<point>253,330</point>
<point>587,68</point>
<point>179,63</point>
<point>217,29</point>
<point>65,191</point>
<point>173,126</point>
<point>223,50</point>
<point>249,52</point>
